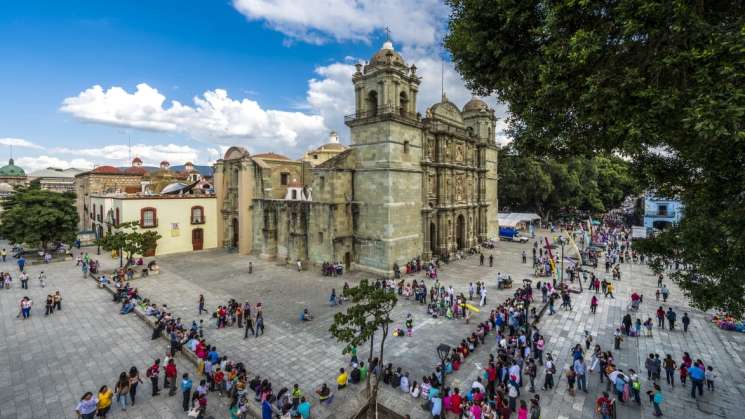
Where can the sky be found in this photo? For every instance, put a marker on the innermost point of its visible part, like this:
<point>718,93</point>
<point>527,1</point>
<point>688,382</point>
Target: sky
<point>88,83</point>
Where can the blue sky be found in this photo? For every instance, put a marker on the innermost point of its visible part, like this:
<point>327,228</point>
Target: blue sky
<point>81,79</point>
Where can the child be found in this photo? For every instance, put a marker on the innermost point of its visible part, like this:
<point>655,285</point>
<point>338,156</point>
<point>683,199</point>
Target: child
<point>409,324</point>
<point>683,371</point>
<point>710,376</point>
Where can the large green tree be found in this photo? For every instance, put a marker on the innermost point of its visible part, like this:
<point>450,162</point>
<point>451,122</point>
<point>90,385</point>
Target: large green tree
<point>368,313</point>
<point>39,217</point>
<point>662,82</point>
<point>553,188</point>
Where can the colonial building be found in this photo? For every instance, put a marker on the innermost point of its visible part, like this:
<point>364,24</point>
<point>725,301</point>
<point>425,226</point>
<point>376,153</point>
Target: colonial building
<point>104,179</point>
<point>55,179</point>
<point>239,178</point>
<point>185,222</point>
<point>408,186</point>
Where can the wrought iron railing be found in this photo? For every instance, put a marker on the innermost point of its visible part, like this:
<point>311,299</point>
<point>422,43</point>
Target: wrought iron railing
<point>388,110</point>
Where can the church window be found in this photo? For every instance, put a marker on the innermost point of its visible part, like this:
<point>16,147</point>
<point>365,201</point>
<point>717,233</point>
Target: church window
<point>406,147</point>
<point>197,215</point>
<point>320,237</point>
<point>372,103</point>
<point>404,103</point>
<point>323,182</point>
<point>294,194</point>
<point>148,217</point>
<point>284,178</point>
<point>315,157</point>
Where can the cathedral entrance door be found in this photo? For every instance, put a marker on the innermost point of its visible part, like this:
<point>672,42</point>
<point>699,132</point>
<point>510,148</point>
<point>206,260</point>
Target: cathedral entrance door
<point>460,232</point>
<point>347,261</point>
<point>235,233</point>
<point>433,238</point>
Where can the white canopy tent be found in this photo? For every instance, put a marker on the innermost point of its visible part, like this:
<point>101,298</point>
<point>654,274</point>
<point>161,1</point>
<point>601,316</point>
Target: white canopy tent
<point>517,219</point>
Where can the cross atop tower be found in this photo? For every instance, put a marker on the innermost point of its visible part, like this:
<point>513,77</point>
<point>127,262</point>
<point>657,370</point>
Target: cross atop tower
<point>387,33</point>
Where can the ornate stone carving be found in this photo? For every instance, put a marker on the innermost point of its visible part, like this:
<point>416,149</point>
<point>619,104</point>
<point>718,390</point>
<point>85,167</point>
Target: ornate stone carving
<point>459,153</point>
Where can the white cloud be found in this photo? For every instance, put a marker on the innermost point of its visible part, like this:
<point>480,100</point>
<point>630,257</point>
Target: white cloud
<point>414,22</point>
<point>118,154</point>
<point>30,164</point>
<point>19,142</point>
<point>214,118</point>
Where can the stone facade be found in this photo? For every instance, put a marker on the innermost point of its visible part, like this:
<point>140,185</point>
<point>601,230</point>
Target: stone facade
<point>239,178</point>
<point>408,186</point>
<point>96,182</point>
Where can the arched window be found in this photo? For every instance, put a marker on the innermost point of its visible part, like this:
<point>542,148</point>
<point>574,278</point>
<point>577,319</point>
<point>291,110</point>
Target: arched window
<point>406,147</point>
<point>197,215</point>
<point>403,103</point>
<point>372,103</point>
<point>294,194</point>
<point>148,217</point>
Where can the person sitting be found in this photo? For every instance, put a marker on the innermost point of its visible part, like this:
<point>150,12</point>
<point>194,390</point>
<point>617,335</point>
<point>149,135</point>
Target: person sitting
<point>127,307</point>
<point>102,281</point>
<point>306,316</point>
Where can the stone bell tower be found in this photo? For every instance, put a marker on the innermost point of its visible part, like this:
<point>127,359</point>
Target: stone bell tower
<point>386,138</point>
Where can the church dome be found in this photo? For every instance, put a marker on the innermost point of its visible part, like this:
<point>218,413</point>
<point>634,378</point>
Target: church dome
<point>475,104</point>
<point>11,170</point>
<point>385,53</point>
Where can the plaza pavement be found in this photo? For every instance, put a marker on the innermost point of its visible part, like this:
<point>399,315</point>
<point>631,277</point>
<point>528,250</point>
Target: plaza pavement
<point>47,363</point>
<point>721,349</point>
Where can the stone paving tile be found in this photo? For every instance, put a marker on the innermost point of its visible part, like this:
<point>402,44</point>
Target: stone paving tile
<point>47,363</point>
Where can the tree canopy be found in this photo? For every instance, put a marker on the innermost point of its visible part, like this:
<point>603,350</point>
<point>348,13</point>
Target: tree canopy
<point>553,188</point>
<point>367,314</point>
<point>39,217</point>
<point>127,238</point>
<point>661,82</point>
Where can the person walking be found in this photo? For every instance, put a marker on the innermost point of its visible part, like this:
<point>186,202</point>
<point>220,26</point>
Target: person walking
<point>259,324</point>
<point>686,321</point>
<point>697,375</point>
<point>249,325</point>
<point>483,296</point>
<point>170,375</point>
<point>665,293</point>
<point>550,370</point>
<point>201,305</point>
<point>105,396</point>
<point>657,400</point>
<point>671,316</point>
<point>670,367</point>
<point>593,304</point>
<point>87,406</point>
<point>122,390</point>
<point>661,317</point>
<point>24,280</point>
<point>57,300</point>
<point>186,385</point>
<point>152,373</point>
<point>134,381</point>
<point>580,368</point>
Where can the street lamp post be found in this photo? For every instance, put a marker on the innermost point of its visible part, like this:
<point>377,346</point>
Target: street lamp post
<point>562,241</point>
<point>442,352</point>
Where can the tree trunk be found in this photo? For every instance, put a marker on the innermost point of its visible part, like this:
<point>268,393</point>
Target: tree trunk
<point>369,360</point>
<point>373,403</point>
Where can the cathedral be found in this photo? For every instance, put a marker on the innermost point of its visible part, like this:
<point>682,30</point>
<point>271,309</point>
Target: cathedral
<point>408,185</point>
